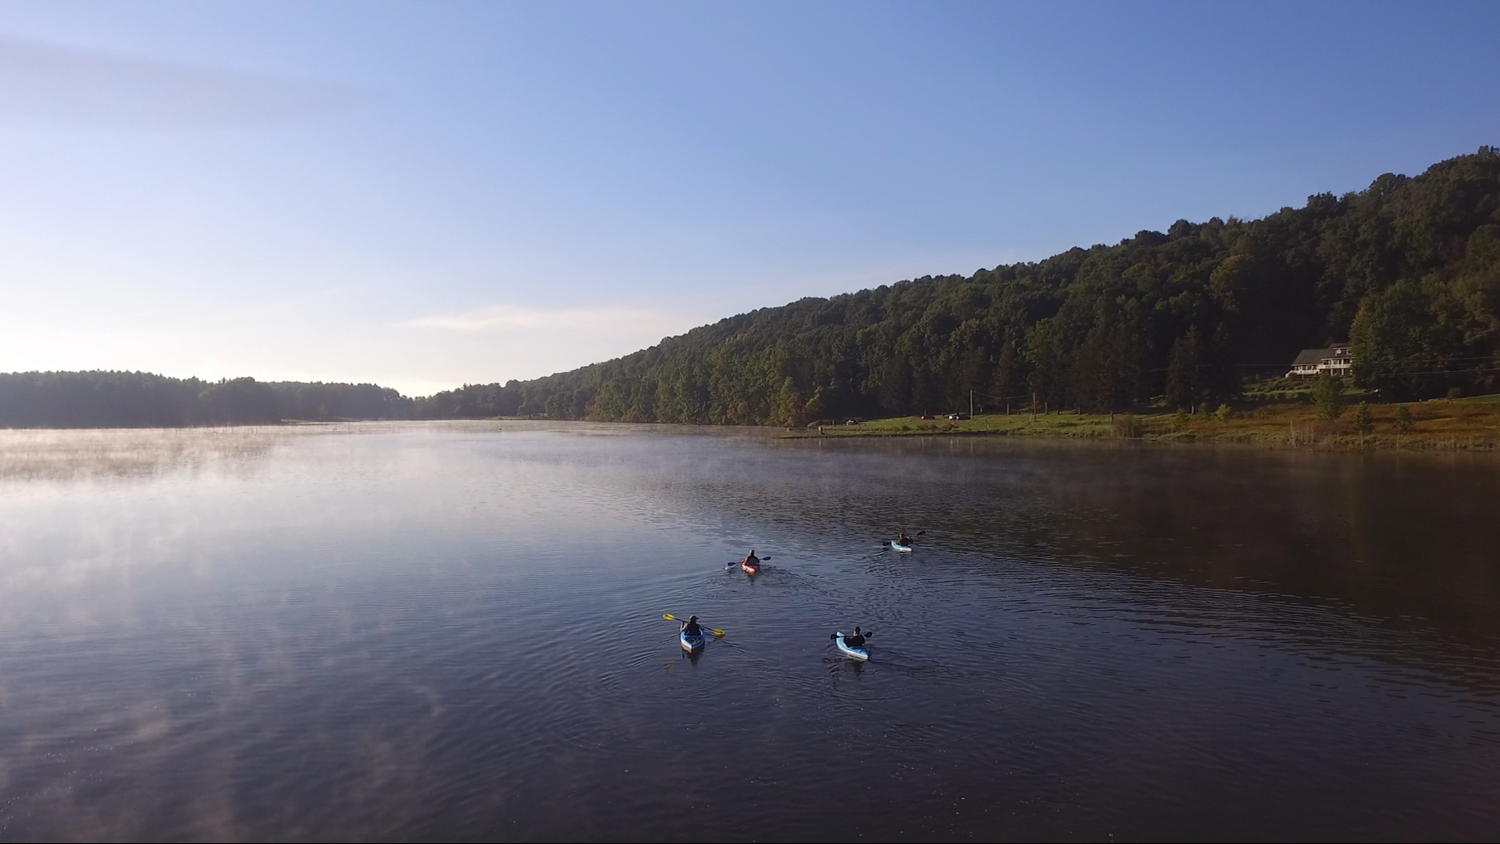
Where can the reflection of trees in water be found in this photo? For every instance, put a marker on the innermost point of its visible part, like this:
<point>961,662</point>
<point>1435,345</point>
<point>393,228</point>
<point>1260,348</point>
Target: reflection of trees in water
<point>1405,541</point>
<point>91,453</point>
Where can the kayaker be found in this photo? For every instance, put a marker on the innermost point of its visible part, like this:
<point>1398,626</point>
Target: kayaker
<point>691,628</point>
<point>752,561</point>
<point>855,639</point>
<point>903,539</point>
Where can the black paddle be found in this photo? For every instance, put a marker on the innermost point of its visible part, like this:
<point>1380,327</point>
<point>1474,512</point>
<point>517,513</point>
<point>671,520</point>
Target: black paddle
<point>737,562</point>
<point>669,617</point>
<point>909,543</point>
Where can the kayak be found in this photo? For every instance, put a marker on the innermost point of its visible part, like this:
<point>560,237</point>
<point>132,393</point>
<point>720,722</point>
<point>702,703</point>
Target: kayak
<point>857,654</point>
<point>691,643</point>
<point>900,547</point>
<point>750,568</point>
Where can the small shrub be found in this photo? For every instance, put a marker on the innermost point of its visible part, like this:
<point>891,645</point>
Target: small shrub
<point>1180,418</point>
<point>1126,426</point>
<point>1363,420</point>
<point>1328,396</point>
<point>1222,414</point>
<point>1404,422</point>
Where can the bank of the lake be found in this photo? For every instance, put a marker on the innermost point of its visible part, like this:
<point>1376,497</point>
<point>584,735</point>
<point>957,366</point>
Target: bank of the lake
<point>1449,424</point>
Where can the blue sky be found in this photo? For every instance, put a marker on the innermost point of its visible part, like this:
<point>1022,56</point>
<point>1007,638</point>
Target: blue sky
<point>430,194</point>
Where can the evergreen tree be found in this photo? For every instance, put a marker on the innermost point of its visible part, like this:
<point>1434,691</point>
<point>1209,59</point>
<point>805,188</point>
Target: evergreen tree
<point>1328,396</point>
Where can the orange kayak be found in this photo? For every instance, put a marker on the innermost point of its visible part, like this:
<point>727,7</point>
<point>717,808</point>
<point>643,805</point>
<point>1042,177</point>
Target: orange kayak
<point>749,567</point>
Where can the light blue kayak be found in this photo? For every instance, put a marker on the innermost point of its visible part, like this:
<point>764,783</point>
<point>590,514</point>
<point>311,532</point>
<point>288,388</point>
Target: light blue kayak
<point>857,654</point>
<point>900,547</point>
<point>691,643</point>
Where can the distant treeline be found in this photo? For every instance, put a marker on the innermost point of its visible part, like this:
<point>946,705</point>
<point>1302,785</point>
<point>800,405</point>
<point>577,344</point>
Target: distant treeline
<point>142,400</point>
<point>1407,270</point>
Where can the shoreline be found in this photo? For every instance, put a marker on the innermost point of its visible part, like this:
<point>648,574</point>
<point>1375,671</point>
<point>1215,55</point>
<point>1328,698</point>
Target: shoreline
<point>1437,425</point>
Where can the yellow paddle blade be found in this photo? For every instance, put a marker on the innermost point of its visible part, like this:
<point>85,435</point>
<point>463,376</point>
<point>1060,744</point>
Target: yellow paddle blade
<point>668,616</point>
<point>718,634</point>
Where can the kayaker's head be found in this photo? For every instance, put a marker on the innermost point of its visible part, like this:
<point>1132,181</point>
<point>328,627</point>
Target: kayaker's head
<point>856,631</point>
<point>694,619</point>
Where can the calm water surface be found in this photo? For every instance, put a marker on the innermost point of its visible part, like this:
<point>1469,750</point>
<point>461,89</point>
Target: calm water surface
<point>455,631</point>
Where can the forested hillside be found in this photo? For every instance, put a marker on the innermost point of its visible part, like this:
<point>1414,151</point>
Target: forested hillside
<point>1408,270</point>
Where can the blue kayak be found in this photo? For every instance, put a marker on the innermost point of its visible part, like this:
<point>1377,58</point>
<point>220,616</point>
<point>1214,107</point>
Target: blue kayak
<point>857,654</point>
<point>900,547</point>
<point>691,643</point>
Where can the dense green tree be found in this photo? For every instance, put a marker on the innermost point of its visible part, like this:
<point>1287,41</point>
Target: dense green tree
<point>1407,340</point>
<point>1185,382</point>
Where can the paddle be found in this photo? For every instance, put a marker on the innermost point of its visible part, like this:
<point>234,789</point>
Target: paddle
<point>915,535</point>
<point>669,617</point>
<point>867,634</point>
<point>737,562</point>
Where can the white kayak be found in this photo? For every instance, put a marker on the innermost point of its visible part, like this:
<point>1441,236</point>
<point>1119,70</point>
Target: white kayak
<point>858,654</point>
<point>691,643</point>
<point>899,547</point>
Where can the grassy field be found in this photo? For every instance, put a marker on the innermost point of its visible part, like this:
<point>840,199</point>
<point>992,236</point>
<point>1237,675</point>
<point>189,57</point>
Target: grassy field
<point>1462,424</point>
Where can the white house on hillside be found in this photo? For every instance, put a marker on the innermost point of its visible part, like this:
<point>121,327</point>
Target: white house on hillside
<point>1311,363</point>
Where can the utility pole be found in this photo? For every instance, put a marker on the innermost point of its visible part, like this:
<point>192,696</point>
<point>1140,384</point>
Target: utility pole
<point>971,404</point>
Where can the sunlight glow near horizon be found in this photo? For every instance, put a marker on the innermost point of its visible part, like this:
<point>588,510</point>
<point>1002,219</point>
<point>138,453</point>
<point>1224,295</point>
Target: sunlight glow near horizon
<point>429,194</point>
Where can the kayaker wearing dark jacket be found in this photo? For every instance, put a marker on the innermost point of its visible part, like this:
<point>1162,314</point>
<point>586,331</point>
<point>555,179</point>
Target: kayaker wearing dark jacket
<point>903,539</point>
<point>691,628</point>
<point>854,640</point>
<point>752,561</point>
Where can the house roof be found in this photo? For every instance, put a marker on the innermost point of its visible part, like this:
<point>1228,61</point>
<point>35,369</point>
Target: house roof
<point>1311,356</point>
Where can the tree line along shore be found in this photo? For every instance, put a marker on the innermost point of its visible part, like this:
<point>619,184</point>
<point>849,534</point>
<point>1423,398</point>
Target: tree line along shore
<point>1203,315</point>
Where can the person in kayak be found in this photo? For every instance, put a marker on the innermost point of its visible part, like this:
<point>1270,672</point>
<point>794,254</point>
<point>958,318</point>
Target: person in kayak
<point>855,639</point>
<point>691,628</point>
<point>752,561</point>
<point>903,539</point>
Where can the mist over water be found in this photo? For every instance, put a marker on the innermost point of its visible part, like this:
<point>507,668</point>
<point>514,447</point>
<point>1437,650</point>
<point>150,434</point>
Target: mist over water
<point>425,631</point>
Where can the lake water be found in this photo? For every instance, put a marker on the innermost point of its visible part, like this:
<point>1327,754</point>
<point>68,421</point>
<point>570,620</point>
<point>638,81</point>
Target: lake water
<point>455,632</point>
